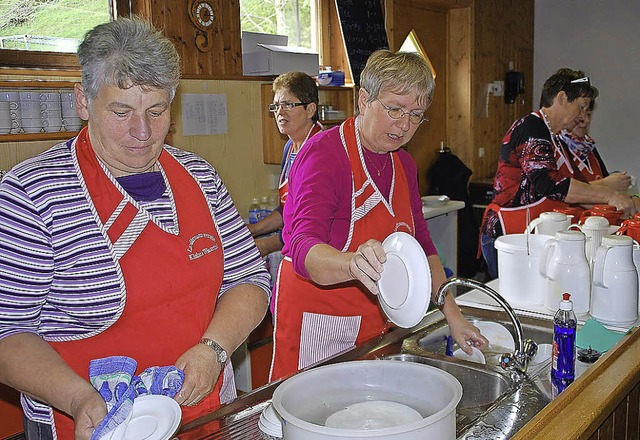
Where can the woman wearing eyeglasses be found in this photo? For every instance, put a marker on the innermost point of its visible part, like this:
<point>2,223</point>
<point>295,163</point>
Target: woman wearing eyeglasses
<point>295,108</point>
<point>535,173</point>
<point>588,166</point>
<point>350,188</point>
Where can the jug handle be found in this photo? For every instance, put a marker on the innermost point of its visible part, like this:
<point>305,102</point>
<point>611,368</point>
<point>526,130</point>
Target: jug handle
<point>544,256</point>
<point>598,265</point>
<point>575,225</point>
<point>532,225</point>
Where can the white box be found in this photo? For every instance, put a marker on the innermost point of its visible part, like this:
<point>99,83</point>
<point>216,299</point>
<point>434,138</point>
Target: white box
<point>266,54</point>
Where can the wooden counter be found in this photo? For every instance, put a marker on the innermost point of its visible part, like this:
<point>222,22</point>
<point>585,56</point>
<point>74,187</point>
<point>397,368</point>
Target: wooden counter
<point>603,403</point>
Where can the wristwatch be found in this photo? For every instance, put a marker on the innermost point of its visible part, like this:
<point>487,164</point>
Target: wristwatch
<point>221,353</point>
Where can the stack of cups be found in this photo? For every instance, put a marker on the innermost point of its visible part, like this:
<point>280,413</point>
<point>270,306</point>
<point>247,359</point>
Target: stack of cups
<point>10,112</point>
<point>70,119</point>
<point>51,111</point>
<point>31,111</point>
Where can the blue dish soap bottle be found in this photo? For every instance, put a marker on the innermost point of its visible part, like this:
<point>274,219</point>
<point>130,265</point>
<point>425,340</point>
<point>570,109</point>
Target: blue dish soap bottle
<point>563,365</point>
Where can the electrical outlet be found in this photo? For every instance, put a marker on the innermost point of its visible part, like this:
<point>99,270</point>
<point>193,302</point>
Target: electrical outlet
<point>497,88</point>
<point>480,152</point>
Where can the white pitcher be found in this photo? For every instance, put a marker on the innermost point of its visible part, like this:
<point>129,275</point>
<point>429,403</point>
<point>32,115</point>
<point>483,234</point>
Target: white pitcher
<point>594,227</point>
<point>564,265</point>
<point>615,282</point>
<point>548,223</point>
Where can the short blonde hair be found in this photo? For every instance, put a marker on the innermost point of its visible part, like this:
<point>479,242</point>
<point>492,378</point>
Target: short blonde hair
<point>399,72</point>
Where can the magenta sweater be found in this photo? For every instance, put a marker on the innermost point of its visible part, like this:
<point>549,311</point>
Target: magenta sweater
<point>320,195</point>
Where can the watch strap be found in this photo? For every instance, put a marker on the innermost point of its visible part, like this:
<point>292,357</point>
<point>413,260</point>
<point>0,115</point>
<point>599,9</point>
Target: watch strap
<point>221,354</point>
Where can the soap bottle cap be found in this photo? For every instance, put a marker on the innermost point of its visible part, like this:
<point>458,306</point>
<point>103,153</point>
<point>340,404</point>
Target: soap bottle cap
<point>566,303</point>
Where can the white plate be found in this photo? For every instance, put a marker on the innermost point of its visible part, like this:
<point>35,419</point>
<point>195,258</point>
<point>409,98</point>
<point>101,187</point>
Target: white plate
<point>154,417</point>
<point>497,334</point>
<point>476,355</point>
<point>435,200</point>
<point>373,414</point>
<point>543,354</point>
<point>405,283</point>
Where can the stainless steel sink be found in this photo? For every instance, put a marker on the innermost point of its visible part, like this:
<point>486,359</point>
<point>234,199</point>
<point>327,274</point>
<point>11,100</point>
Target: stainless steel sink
<point>495,403</point>
<point>480,386</point>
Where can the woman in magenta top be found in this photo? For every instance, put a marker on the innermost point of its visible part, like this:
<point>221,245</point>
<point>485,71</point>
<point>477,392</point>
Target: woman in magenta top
<point>350,188</point>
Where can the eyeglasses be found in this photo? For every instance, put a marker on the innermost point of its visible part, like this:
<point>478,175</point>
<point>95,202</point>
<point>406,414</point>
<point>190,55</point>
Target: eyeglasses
<point>398,113</point>
<point>584,79</point>
<point>285,105</point>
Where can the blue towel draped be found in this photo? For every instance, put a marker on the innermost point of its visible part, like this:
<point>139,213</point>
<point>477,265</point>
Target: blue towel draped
<point>114,378</point>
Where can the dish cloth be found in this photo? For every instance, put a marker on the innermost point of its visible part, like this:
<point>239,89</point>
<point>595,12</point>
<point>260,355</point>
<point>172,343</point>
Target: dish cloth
<point>597,336</point>
<point>116,382</point>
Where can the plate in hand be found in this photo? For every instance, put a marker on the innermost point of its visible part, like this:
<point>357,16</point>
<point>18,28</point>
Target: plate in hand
<point>405,283</point>
<point>154,417</point>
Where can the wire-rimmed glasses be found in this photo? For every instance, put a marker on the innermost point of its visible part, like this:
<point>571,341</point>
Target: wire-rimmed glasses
<point>398,113</point>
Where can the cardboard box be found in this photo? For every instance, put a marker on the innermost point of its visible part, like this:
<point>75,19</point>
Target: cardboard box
<point>266,55</point>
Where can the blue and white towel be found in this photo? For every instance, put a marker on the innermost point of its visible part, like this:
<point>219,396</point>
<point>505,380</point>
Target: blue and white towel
<point>114,378</point>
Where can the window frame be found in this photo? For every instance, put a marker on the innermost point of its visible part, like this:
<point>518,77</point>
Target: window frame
<point>25,59</point>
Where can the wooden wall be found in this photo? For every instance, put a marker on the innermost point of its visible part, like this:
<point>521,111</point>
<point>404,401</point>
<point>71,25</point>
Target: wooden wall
<point>502,32</point>
<point>470,44</point>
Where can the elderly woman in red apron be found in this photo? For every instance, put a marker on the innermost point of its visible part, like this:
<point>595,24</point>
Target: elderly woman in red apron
<point>124,246</point>
<point>587,164</point>
<point>350,188</point>
<point>535,172</point>
<point>295,109</point>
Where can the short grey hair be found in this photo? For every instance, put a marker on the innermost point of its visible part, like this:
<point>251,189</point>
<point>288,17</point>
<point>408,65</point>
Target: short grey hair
<point>399,72</point>
<point>128,52</point>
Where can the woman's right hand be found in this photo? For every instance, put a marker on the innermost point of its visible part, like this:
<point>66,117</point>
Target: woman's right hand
<point>366,264</point>
<point>619,181</point>
<point>88,410</point>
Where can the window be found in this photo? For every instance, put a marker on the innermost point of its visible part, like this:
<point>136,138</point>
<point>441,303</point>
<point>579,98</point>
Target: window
<point>49,25</point>
<point>293,18</point>
<point>412,44</point>
<point>59,24</point>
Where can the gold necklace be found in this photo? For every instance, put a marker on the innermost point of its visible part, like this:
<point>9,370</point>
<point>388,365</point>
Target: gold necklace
<point>379,170</point>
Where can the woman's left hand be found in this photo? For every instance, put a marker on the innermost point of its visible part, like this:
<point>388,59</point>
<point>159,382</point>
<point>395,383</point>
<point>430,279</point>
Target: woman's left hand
<point>466,334</point>
<point>201,371</point>
<point>366,263</point>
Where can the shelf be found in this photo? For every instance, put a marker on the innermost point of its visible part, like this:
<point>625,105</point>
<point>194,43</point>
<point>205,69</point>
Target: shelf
<point>28,137</point>
<point>19,85</point>
<point>341,98</point>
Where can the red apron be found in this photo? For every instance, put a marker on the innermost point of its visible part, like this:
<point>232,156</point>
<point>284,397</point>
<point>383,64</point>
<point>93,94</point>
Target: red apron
<point>315,322</point>
<point>514,220</point>
<point>172,281</point>
<point>283,187</point>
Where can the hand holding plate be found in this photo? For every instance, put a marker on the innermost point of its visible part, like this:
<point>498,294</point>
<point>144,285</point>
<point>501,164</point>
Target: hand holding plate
<point>366,264</point>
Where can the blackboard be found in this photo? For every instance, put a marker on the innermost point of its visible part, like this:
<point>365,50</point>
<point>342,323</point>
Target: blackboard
<point>363,31</point>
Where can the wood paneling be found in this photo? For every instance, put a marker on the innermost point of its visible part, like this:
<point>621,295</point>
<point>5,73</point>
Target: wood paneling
<point>503,32</point>
<point>431,28</point>
<point>223,55</point>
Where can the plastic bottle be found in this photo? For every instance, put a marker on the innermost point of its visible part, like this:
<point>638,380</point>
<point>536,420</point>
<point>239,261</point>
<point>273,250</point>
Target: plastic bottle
<point>255,212</point>
<point>264,206</point>
<point>563,365</point>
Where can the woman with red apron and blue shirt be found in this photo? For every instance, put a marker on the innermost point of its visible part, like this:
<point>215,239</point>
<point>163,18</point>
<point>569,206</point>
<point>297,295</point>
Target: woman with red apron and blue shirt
<point>295,109</point>
<point>535,173</point>
<point>127,247</point>
<point>351,187</point>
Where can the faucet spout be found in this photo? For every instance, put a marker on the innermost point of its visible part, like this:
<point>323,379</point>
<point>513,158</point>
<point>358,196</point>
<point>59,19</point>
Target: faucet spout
<point>523,350</point>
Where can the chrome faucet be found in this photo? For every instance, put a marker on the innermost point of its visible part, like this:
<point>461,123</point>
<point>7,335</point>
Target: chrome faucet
<point>524,349</point>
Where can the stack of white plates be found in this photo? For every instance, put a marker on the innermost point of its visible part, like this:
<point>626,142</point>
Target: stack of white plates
<point>270,424</point>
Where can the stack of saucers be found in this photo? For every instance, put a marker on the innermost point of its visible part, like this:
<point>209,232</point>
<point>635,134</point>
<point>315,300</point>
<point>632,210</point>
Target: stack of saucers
<point>270,424</point>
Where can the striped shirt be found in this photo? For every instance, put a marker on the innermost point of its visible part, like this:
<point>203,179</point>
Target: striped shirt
<point>59,277</point>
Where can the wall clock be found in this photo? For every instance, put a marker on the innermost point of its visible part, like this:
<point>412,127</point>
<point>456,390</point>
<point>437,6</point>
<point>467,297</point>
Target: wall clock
<point>201,14</point>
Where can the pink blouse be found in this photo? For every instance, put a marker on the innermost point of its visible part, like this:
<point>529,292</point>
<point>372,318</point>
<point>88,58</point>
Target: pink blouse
<point>318,208</point>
